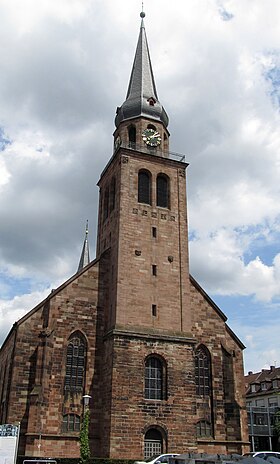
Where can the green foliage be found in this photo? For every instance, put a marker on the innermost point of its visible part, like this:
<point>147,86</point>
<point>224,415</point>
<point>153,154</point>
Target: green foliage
<point>276,426</point>
<point>84,439</point>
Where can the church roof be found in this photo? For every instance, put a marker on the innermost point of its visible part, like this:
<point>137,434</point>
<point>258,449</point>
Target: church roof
<point>91,265</point>
<point>141,98</point>
<point>218,311</point>
<point>84,260</point>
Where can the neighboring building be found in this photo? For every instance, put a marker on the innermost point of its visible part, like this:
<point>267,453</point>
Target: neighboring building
<point>132,329</point>
<point>263,402</point>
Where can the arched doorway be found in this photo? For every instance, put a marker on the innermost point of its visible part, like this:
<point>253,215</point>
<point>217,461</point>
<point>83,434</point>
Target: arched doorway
<point>153,443</point>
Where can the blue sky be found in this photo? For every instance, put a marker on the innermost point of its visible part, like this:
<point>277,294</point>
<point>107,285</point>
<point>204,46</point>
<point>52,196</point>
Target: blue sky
<point>65,68</point>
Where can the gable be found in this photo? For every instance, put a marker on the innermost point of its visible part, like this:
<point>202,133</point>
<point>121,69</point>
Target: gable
<point>215,314</point>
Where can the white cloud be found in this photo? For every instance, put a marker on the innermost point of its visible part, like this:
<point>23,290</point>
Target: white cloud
<point>225,271</point>
<point>12,310</point>
<point>65,67</point>
<point>4,174</point>
<point>261,340</point>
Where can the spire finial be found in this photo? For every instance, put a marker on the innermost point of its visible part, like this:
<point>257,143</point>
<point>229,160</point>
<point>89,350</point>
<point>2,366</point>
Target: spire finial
<point>142,16</point>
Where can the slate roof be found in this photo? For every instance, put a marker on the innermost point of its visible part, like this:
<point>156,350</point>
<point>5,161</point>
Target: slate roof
<point>257,378</point>
<point>141,98</point>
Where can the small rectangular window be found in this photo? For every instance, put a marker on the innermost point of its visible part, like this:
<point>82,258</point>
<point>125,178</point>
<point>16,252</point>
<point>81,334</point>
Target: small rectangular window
<point>273,402</point>
<point>154,310</point>
<point>154,232</point>
<point>154,269</point>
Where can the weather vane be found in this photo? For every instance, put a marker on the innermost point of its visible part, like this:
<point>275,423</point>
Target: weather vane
<point>142,14</point>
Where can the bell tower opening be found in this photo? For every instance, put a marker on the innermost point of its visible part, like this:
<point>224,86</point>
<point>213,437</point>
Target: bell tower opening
<point>144,187</point>
<point>132,136</point>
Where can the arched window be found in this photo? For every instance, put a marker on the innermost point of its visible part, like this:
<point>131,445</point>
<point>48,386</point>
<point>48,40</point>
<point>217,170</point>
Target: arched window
<point>144,187</point>
<point>153,443</point>
<point>154,379</point>
<point>106,204</point>
<point>132,136</point>
<point>203,429</point>
<point>202,371</point>
<point>71,423</point>
<point>112,194</point>
<point>163,191</point>
<point>75,363</point>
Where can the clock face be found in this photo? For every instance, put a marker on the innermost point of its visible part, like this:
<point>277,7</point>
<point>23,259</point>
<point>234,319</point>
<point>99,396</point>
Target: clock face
<point>151,137</point>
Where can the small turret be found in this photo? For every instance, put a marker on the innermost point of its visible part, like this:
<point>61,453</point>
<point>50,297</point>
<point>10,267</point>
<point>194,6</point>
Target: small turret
<point>84,260</point>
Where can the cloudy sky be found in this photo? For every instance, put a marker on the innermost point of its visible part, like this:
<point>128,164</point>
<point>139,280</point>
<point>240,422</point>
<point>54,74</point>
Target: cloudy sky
<point>64,68</point>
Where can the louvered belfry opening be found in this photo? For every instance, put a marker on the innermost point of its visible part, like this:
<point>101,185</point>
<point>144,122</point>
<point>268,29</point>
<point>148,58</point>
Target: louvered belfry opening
<point>162,191</point>
<point>144,187</point>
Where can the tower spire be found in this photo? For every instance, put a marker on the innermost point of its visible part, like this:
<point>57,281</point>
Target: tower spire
<point>84,260</point>
<point>141,98</point>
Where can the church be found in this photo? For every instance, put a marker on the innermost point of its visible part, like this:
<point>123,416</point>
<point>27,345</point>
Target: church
<point>132,331</point>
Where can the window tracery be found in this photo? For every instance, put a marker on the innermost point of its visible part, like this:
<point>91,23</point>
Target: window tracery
<point>75,363</point>
<point>202,371</point>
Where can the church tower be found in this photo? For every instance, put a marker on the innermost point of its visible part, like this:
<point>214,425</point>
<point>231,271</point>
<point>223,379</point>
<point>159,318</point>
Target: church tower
<point>142,213</point>
<point>147,317</point>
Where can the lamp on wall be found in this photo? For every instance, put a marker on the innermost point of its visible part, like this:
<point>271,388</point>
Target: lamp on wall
<point>86,399</point>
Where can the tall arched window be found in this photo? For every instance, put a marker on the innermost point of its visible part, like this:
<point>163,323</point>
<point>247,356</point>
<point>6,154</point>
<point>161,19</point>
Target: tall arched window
<point>144,187</point>
<point>112,194</point>
<point>75,363</point>
<point>106,204</point>
<point>163,191</point>
<point>132,136</point>
<point>154,379</point>
<point>153,443</point>
<point>202,371</point>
